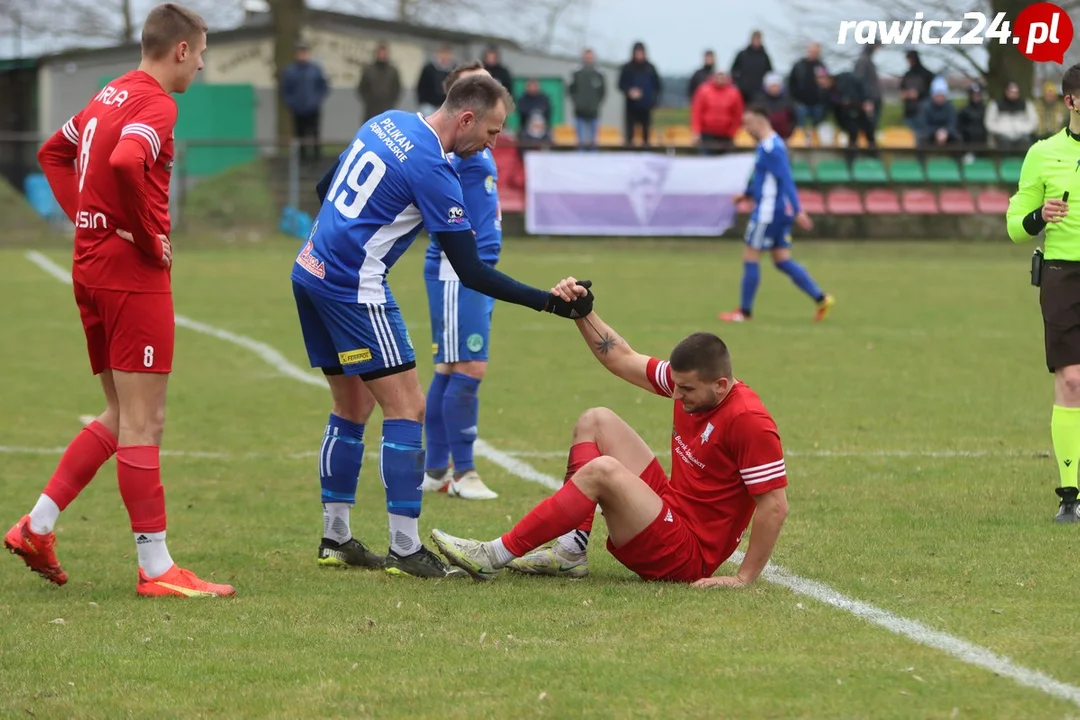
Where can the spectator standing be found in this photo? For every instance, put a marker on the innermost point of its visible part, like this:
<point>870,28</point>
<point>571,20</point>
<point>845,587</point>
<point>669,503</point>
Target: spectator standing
<point>716,114</point>
<point>914,89</point>
<point>1053,115</point>
<point>846,97</point>
<point>429,88</point>
<point>1012,120</point>
<point>702,74</point>
<point>380,84</point>
<point>587,90</point>
<point>866,71</point>
<point>971,120</point>
<point>534,112</point>
<point>805,92</point>
<point>748,70</point>
<point>493,64</point>
<point>640,83</point>
<point>304,89</point>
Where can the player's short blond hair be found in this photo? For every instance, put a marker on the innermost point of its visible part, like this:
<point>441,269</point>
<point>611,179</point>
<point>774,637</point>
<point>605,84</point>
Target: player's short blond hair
<point>478,93</point>
<point>460,70</point>
<point>169,24</point>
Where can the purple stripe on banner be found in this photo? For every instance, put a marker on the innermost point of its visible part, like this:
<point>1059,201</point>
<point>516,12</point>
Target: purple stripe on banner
<point>670,213</point>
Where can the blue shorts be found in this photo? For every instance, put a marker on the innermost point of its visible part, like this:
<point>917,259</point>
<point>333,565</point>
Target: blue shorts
<point>768,236</point>
<point>460,321</point>
<point>352,339</point>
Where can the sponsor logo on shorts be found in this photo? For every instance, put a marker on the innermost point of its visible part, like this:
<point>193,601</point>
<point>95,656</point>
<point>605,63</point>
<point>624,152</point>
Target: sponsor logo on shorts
<point>434,348</point>
<point>475,342</point>
<point>311,263</point>
<point>408,339</point>
<point>455,215</point>
<point>354,357</point>
<point>489,184</point>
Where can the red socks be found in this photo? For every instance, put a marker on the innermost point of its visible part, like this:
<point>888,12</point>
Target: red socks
<point>559,514</point>
<point>90,449</point>
<point>138,471</point>
<point>580,455</point>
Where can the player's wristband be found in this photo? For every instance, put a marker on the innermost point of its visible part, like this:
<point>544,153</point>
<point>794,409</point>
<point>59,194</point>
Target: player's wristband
<point>1033,222</point>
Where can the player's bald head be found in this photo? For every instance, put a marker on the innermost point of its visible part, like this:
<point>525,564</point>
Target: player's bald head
<point>477,93</point>
<point>464,70</point>
<point>166,26</point>
<point>703,353</point>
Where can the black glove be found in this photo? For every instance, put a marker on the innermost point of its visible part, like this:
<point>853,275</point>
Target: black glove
<point>577,308</point>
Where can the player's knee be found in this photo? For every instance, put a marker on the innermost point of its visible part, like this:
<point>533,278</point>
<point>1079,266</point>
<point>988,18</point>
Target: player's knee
<point>473,368</point>
<point>598,473</point>
<point>1069,383</point>
<point>590,425</point>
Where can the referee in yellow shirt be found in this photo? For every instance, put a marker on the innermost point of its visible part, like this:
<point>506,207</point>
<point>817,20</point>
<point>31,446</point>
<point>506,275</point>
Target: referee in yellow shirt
<point>1051,171</point>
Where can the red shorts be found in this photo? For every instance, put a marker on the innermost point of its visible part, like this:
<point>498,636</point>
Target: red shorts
<point>129,332</point>
<point>666,549</point>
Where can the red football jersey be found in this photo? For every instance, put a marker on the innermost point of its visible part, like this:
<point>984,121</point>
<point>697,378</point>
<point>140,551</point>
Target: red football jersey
<point>133,106</point>
<point>719,460</point>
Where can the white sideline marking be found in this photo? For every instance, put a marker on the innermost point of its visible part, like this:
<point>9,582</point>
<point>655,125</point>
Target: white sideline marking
<point>195,454</point>
<point>911,629</point>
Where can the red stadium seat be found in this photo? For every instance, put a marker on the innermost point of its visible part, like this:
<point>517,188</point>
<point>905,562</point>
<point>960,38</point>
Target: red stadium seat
<point>956,201</point>
<point>844,202</point>
<point>882,202</point>
<point>512,200</point>
<point>812,201</point>
<point>918,202</point>
<point>992,202</point>
<point>511,169</point>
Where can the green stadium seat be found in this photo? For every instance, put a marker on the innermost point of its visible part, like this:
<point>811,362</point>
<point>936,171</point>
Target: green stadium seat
<point>833,171</point>
<point>801,172</point>
<point>981,170</point>
<point>869,170</point>
<point>942,170</point>
<point>1010,170</point>
<point>907,171</point>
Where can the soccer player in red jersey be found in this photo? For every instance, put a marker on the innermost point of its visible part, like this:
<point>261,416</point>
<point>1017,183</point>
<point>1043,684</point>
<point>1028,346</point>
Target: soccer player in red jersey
<point>109,168</point>
<point>727,466</point>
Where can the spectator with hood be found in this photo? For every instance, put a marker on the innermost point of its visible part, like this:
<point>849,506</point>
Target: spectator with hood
<point>748,70</point>
<point>971,120</point>
<point>914,89</point>
<point>937,120</point>
<point>1012,120</point>
<point>640,83</point>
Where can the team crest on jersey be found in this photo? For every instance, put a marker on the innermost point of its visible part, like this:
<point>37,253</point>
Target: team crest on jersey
<point>705,435</point>
<point>311,263</point>
<point>489,184</point>
<point>455,216</point>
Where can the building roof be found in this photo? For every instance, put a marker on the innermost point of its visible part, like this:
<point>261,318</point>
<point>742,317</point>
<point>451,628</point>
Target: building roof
<point>258,26</point>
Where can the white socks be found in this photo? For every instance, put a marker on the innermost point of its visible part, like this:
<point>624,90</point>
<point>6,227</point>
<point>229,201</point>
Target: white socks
<point>575,541</point>
<point>502,555</point>
<point>404,535</point>
<point>336,522</point>
<point>44,516</point>
<point>154,558</point>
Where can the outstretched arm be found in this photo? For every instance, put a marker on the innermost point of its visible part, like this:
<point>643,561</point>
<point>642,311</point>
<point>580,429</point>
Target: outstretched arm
<point>614,353</point>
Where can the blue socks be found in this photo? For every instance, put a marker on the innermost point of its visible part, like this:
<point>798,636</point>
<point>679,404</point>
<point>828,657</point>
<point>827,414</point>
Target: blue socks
<point>340,458</point>
<point>438,449</point>
<point>800,277</point>
<point>750,279</point>
<point>401,465</point>
<point>461,411</point>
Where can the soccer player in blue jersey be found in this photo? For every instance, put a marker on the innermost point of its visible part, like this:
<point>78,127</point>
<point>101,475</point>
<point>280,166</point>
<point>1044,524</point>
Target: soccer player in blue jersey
<point>461,330</point>
<point>776,208</point>
<point>393,179</point>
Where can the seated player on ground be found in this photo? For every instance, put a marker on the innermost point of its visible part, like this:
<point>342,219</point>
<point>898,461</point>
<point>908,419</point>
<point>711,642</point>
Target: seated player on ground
<point>727,466</point>
<point>776,208</point>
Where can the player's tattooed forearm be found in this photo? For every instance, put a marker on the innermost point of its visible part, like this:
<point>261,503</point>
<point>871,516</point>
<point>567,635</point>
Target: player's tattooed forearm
<point>606,342</point>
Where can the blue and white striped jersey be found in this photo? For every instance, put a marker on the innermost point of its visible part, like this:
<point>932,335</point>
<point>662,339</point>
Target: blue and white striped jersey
<point>393,179</point>
<point>772,187</point>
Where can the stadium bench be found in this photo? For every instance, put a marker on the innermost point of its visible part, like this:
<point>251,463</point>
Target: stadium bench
<point>678,136</point>
<point>956,201</point>
<point>868,170</point>
<point>744,139</point>
<point>942,170</point>
<point>564,135</point>
<point>801,172</point>
<point>907,172</point>
<point>992,201</point>
<point>812,201</point>
<point>1010,170</point>
<point>844,202</point>
<point>896,137</point>
<point>918,202</point>
<point>881,201</point>
<point>609,136</point>
<point>833,171</point>
<point>981,170</point>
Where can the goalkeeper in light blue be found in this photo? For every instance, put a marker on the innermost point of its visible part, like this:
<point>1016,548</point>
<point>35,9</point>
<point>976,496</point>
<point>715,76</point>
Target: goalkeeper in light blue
<point>776,209</point>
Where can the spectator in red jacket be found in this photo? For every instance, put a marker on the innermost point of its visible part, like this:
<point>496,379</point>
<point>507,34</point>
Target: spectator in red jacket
<point>716,114</point>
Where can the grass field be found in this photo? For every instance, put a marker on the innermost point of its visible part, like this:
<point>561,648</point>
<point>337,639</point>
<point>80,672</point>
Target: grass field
<point>916,426</point>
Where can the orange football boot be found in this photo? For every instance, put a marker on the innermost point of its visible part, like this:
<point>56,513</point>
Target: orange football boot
<point>177,582</point>
<point>35,550</point>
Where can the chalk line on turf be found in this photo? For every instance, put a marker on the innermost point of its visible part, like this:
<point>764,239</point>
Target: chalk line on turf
<point>956,647</point>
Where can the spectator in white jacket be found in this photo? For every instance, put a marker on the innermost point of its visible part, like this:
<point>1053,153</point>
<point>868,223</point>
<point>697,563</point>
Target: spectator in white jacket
<point>1012,120</point>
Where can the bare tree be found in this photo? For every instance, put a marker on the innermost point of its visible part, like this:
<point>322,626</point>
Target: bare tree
<point>992,63</point>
